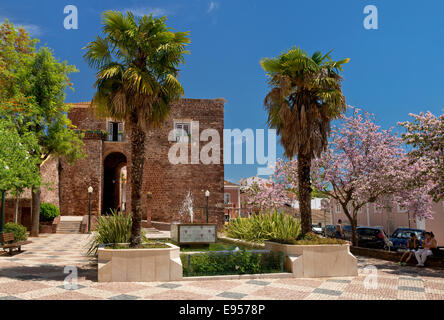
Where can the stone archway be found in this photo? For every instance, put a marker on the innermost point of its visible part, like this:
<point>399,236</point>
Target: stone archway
<point>113,182</point>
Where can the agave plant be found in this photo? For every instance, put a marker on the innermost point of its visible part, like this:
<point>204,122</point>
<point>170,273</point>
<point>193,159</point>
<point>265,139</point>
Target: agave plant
<point>267,226</point>
<point>112,229</point>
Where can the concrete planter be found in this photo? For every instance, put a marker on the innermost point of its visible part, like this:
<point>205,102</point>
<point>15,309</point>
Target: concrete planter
<point>139,265</point>
<point>315,261</point>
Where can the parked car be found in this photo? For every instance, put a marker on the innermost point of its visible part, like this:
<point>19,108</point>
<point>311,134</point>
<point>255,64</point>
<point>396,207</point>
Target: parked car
<point>317,229</point>
<point>400,237</point>
<point>330,231</point>
<point>373,237</point>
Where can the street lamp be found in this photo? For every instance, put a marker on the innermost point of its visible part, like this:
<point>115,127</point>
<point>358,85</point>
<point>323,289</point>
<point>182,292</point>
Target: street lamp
<point>2,222</point>
<point>207,195</point>
<point>2,219</point>
<point>90,191</point>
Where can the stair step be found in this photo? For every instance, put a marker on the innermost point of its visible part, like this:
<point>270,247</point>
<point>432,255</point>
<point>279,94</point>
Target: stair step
<point>69,227</point>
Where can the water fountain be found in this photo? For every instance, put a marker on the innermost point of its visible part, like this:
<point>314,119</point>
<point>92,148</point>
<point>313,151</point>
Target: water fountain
<point>192,233</point>
<point>187,207</point>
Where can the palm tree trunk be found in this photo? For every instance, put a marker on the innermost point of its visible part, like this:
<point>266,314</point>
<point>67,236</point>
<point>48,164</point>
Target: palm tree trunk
<point>136,175</point>
<point>304,192</point>
<point>35,228</point>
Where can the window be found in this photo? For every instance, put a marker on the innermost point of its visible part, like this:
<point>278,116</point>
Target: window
<point>338,208</point>
<point>115,131</point>
<point>377,208</point>
<point>402,208</point>
<point>226,198</point>
<point>182,131</point>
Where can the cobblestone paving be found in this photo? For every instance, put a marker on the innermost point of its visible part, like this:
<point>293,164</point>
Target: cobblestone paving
<point>38,273</point>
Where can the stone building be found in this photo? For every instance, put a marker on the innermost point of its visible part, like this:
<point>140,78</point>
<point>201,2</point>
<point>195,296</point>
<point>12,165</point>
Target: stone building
<point>108,159</point>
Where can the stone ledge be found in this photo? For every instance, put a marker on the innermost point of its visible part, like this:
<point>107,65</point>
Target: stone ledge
<point>317,261</point>
<point>432,261</point>
<point>241,276</point>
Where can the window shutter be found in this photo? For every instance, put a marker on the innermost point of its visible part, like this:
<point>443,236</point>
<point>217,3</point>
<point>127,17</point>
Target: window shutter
<point>110,131</point>
<point>120,133</point>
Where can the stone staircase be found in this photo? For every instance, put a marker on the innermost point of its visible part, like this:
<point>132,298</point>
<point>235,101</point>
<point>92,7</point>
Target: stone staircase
<point>69,227</point>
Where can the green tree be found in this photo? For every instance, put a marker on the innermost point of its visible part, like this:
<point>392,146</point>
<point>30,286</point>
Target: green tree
<point>137,62</point>
<point>18,167</point>
<point>48,117</point>
<point>37,98</point>
<point>305,96</point>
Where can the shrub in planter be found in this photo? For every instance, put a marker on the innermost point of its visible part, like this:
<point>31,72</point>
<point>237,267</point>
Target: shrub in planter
<point>240,262</point>
<point>112,229</point>
<point>272,226</point>
<point>18,230</point>
<point>48,212</point>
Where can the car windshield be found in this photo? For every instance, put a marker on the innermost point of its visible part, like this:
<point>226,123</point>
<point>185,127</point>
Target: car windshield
<point>368,232</point>
<point>405,234</point>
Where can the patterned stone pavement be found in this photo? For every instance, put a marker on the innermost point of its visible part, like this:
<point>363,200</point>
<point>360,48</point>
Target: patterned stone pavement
<point>38,273</point>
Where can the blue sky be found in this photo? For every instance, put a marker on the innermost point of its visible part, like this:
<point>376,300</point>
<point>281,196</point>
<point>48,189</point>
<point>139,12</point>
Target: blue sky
<point>393,71</point>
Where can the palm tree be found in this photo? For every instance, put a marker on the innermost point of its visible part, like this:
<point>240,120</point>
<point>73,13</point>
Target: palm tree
<point>305,96</point>
<point>137,62</point>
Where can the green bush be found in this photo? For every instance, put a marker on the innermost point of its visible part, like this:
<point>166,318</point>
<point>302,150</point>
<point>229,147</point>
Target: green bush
<point>18,230</point>
<point>266,226</point>
<point>112,229</point>
<point>239,262</point>
<point>312,239</point>
<point>48,212</point>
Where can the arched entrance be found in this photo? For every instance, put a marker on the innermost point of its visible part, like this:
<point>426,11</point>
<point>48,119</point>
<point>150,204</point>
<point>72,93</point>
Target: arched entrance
<point>114,182</point>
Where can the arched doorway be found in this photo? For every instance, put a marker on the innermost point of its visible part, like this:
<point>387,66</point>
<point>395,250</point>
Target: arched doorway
<point>114,182</point>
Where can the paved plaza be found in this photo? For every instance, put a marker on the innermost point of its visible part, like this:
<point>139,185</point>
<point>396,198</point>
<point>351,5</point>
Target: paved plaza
<point>38,273</point>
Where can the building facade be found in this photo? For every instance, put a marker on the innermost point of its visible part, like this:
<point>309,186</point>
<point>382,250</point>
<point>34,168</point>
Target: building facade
<point>107,165</point>
<point>232,200</point>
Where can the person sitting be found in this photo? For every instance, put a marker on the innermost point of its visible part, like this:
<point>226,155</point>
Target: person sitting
<point>412,246</point>
<point>428,244</point>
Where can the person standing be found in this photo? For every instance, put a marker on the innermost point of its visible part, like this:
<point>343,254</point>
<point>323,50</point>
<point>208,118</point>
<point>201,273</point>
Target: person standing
<point>339,230</point>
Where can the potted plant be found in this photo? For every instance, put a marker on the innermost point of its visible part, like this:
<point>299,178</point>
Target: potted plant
<point>117,262</point>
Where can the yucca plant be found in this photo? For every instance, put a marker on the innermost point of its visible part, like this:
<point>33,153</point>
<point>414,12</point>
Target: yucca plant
<point>112,229</point>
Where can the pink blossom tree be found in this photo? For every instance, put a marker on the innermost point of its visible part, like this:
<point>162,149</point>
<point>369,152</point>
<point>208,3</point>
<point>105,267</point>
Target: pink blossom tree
<point>426,135</point>
<point>265,194</point>
<point>366,164</point>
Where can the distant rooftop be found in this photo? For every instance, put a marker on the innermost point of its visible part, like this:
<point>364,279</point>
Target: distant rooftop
<point>229,183</point>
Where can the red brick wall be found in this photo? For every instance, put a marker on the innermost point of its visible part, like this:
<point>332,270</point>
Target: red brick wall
<point>50,191</point>
<point>168,183</point>
<point>75,180</point>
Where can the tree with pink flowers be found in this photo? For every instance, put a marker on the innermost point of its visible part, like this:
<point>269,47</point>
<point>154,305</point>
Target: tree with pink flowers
<point>363,164</point>
<point>265,194</point>
<point>426,135</point>
<point>366,164</point>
